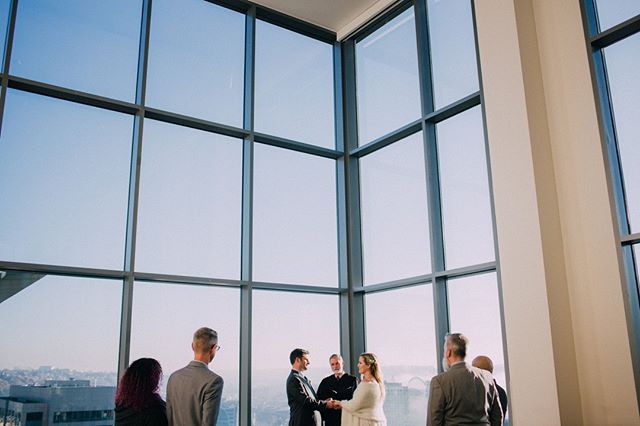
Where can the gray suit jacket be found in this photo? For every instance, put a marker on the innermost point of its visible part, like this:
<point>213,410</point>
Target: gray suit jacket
<point>464,395</point>
<point>193,396</point>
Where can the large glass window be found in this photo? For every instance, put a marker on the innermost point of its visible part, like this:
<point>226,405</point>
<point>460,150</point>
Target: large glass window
<point>77,44</point>
<point>50,323</point>
<point>464,183</point>
<point>281,323</point>
<point>395,220</point>
<point>227,197</point>
<point>453,54</point>
<point>294,218</point>
<point>190,202</point>
<point>170,313</point>
<point>400,330</point>
<point>613,12</point>
<point>622,61</point>
<point>208,84</point>
<point>387,78</point>
<point>64,182</point>
<point>636,255</point>
<point>615,60</point>
<point>5,6</point>
<point>474,310</point>
<point>294,86</point>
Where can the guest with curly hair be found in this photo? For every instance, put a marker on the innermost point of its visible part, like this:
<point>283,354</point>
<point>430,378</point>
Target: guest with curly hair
<point>137,400</point>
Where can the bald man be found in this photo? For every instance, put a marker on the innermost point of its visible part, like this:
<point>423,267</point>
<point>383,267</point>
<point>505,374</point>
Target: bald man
<point>484,363</point>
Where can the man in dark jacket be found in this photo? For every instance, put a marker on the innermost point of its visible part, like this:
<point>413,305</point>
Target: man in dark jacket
<point>338,386</point>
<point>303,401</point>
<point>484,362</point>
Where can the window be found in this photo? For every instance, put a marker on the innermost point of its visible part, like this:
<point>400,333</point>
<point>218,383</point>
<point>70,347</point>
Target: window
<point>474,310</point>
<point>76,43</point>
<point>395,220</point>
<point>4,18</point>
<point>424,198</point>
<point>307,321</point>
<point>622,59</point>
<point>190,202</point>
<point>401,332</point>
<point>615,59</point>
<point>209,84</point>
<point>611,13</point>
<point>388,55</point>
<point>294,218</point>
<point>69,315</point>
<point>464,187</point>
<point>294,86</point>
<point>165,316</point>
<point>278,186</point>
<point>64,172</point>
<point>453,55</point>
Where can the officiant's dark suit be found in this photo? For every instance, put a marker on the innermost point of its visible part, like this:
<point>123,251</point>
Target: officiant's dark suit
<point>302,399</point>
<point>339,386</point>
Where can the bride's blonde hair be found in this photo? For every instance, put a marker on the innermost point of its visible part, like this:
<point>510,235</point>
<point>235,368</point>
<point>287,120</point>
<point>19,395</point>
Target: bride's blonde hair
<point>374,367</point>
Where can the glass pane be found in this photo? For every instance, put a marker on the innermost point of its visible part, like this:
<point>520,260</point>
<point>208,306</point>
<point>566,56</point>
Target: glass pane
<point>201,72</point>
<point>190,202</point>
<point>623,62</point>
<point>401,331</point>
<point>5,6</point>
<point>310,322</point>
<point>387,82</point>
<point>75,44</point>
<point>395,220</point>
<point>169,314</point>
<point>64,182</point>
<point>49,325</point>
<point>613,12</point>
<point>464,182</point>
<point>294,86</point>
<point>294,218</point>
<point>636,254</point>
<point>474,310</point>
<point>453,51</point>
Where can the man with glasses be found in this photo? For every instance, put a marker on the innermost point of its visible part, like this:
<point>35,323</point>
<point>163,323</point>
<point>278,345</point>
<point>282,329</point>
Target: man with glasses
<point>304,406</point>
<point>194,392</point>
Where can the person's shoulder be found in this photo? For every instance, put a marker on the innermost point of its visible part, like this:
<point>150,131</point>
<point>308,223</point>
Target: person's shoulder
<point>179,372</point>
<point>483,374</point>
<point>213,376</point>
<point>443,377</point>
<point>327,379</point>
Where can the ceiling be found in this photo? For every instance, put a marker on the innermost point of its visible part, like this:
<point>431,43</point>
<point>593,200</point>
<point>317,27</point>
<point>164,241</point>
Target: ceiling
<point>339,16</point>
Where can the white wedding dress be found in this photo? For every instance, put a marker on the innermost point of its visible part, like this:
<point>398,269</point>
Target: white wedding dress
<point>365,409</point>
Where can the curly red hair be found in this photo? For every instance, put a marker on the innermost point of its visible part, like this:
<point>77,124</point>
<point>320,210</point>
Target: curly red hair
<point>138,388</point>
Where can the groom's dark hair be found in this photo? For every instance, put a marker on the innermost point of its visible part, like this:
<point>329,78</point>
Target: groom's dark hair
<point>297,353</point>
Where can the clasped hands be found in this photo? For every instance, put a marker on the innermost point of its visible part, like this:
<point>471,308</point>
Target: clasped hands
<point>333,404</point>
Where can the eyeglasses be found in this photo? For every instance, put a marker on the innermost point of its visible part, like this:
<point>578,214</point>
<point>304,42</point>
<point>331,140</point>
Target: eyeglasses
<point>218,347</point>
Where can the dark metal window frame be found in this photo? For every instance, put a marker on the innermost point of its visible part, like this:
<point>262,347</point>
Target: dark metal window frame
<point>351,292</point>
<point>597,41</point>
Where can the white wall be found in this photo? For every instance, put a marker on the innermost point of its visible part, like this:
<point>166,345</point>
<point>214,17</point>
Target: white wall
<point>567,341</point>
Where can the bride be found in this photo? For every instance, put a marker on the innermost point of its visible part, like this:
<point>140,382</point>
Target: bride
<point>365,409</point>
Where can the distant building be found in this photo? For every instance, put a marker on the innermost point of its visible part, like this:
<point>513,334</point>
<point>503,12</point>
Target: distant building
<point>228,415</point>
<point>59,402</point>
<point>396,403</point>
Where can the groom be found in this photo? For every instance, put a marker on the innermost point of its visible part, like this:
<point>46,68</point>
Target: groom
<point>303,402</point>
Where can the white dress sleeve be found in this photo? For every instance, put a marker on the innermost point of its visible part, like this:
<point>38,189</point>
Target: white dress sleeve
<point>364,397</point>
